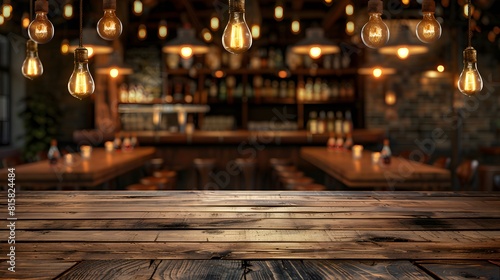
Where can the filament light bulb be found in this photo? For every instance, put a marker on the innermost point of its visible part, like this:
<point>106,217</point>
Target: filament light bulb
<point>470,82</point>
<point>237,38</point>
<point>375,32</point>
<point>428,29</point>
<point>109,27</point>
<point>68,11</point>
<point>137,7</point>
<point>32,66</point>
<point>81,84</point>
<point>41,29</point>
<point>162,29</point>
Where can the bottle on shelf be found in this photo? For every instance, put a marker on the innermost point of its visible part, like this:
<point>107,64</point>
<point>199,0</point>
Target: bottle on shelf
<point>309,89</point>
<point>123,93</point>
<point>317,89</point>
<point>321,123</point>
<point>347,123</point>
<point>330,123</point>
<point>53,155</point>
<point>312,123</point>
<point>338,124</point>
<point>386,153</point>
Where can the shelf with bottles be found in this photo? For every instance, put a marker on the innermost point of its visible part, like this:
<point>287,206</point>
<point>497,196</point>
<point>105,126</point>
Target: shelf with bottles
<point>330,122</point>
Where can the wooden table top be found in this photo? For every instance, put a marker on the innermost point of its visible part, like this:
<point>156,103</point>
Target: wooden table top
<point>254,235</point>
<point>362,173</point>
<point>101,167</point>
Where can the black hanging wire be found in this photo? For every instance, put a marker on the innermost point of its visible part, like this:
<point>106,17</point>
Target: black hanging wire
<point>31,10</point>
<point>469,9</point>
<point>81,26</point>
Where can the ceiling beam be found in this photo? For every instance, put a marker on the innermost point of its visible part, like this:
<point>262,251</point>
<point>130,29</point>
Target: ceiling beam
<point>334,14</point>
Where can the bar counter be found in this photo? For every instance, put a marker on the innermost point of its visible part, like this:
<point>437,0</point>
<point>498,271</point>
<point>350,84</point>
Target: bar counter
<point>254,235</point>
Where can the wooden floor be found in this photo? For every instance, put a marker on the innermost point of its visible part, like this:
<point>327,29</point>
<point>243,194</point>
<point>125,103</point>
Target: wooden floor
<point>254,235</point>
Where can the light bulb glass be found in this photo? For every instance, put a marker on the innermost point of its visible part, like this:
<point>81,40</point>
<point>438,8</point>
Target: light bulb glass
<point>278,12</point>
<point>214,23</point>
<point>428,29</point>
<point>162,30</point>
<point>237,37</point>
<point>109,27</point>
<point>32,66</point>
<point>68,11</point>
<point>113,73</point>
<point>90,51</point>
<point>142,33</point>
<point>7,11</point>
<point>295,27</point>
<point>403,53</point>
<point>41,29</point>
<point>349,9</point>
<point>315,52</point>
<point>137,7</point>
<point>65,46</point>
<point>375,32</point>
<point>349,28</point>
<point>26,20</point>
<point>186,52</point>
<point>255,31</point>
<point>81,84</point>
<point>470,82</point>
<point>377,72</point>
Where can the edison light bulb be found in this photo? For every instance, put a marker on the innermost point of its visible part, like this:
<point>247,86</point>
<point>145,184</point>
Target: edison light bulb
<point>428,29</point>
<point>109,26</point>
<point>375,32</point>
<point>81,84</point>
<point>32,66</point>
<point>470,82</point>
<point>68,11</point>
<point>237,38</point>
<point>41,29</point>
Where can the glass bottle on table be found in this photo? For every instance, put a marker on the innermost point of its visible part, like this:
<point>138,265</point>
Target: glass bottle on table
<point>53,155</point>
<point>386,153</point>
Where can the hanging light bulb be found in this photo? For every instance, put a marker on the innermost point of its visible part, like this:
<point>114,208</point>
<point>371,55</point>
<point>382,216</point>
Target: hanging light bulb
<point>142,32</point>
<point>428,29</point>
<point>278,11</point>
<point>328,2</point>
<point>440,68</point>
<point>349,9</point>
<point>7,10</point>
<point>403,52</point>
<point>65,46</point>
<point>377,72</point>
<point>68,10</point>
<point>109,27</point>
<point>32,66</point>
<point>186,52</point>
<point>295,27</point>
<point>207,36</point>
<point>26,20</point>
<point>214,22</point>
<point>81,84</point>
<point>137,7</point>
<point>114,72</point>
<point>41,29</point>
<point>405,2</point>
<point>315,52</point>
<point>349,28</point>
<point>470,82</point>
<point>237,38</point>
<point>375,32</point>
<point>255,31</point>
<point>162,29</point>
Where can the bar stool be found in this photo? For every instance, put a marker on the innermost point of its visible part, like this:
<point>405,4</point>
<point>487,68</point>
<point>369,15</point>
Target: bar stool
<point>292,183</point>
<point>170,175</point>
<point>161,183</point>
<point>311,187</point>
<point>280,161</point>
<point>247,175</point>
<point>153,165</point>
<point>141,187</point>
<point>203,168</point>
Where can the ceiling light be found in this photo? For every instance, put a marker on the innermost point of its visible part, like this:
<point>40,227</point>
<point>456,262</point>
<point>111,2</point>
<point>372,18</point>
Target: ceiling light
<point>315,44</point>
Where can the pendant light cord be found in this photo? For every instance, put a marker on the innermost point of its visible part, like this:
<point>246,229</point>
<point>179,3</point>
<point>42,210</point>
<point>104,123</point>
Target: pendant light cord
<point>469,16</point>
<point>31,10</point>
<point>81,26</point>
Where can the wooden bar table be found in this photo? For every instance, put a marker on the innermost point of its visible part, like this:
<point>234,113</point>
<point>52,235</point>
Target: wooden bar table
<point>252,235</point>
<point>362,173</point>
<point>100,168</point>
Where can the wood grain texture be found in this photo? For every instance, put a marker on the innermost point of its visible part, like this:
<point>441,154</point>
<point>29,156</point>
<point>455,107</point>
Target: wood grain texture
<point>362,173</point>
<point>256,235</point>
<point>460,270</point>
<point>35,269</point>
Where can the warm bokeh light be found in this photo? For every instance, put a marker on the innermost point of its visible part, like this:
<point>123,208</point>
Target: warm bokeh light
<point>162,29</point>
<point>405,2</point>
<point>349,9</point>
<point>26,20</point>
<point>138,7</point>
<point>496,29</point>
<point>65,46</point>
<point>2,20</point>
<point>328,2</point>
<point>214,23</point>
<point>278,11</point>
<point>390,98</point>
<point>219,74</point>
<point>283,74</point>
<point>113,73</point>
<point>403,53</point>
<point>68,11</point>
<point>186,52</point>
<point>255,31</point>
<point>440,68</point>
<point>90,50</point>
<point>466,10</point>
<point>295,26</point>
<point>349,28</point>
<point>7,11</point>
<point>142,33</point>
<point>315,52</point>
<point>377,72</point>
<point>207,36</point>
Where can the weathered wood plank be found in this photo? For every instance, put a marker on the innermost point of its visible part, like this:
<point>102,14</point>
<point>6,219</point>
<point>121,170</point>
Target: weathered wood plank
<point>112,269</point>
<point>328,269</point>
<point>199,269</point>
<point>35,269</point>
<point>462,270</point>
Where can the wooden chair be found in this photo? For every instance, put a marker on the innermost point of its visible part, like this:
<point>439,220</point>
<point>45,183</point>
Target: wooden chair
<point>466,172</point>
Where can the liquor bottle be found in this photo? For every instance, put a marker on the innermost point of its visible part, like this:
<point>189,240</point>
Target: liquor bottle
<point>53,155</point>
<point>338,124</point>
<point>321,123</point>
<point>330,123</point>
<point>317,89</point>
<point>385,154</point>
<point>312,123</point>
<point>347,123</point>
<point>309,90</point>
<point>348,141</point>
<point>223,91</point>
